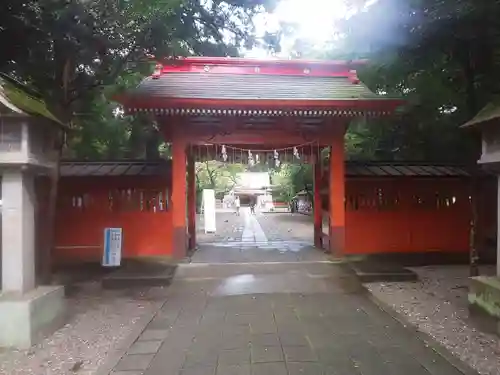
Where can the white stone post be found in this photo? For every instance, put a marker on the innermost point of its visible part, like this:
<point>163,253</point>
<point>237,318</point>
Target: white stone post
<point>18,231</point>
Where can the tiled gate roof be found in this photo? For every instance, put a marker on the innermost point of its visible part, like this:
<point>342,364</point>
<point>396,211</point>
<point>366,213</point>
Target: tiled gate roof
<point>114,168</point>
<point>353,169</point>
<point>406,169</point>
<point>252,87</point>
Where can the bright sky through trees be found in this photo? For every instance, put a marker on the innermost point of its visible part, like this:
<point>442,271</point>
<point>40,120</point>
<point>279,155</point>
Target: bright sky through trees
<point>314,22</point>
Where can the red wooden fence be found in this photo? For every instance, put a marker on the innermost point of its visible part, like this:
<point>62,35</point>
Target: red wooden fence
<point>407,215</point>
<point>87,205</point>
<point>383,214</point>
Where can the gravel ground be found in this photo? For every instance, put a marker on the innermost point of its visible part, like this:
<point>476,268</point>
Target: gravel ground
<point>98,320</point>
<point>437,305</point>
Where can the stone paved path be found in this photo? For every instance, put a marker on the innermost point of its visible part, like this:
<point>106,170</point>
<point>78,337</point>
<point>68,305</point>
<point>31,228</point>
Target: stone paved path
<point>276,227</point>
<point>273,318</point>
<point>272,237</point>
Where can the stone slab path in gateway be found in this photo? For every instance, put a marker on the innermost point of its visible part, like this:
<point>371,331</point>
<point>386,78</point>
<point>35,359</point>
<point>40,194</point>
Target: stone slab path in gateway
<point>271,237</point>
<point>274,318</point>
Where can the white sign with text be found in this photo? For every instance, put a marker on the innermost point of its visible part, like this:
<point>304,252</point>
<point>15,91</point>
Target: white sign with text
<point>209,210</point>
<point>112,254</point>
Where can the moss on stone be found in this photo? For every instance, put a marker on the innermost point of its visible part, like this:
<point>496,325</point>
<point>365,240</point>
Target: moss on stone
<point>485,293</point>
<point>490,112</point>
<point>24,101</point>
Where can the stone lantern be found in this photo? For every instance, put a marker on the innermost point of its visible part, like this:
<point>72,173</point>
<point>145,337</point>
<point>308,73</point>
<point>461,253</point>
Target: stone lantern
<point>484,293</point>
<point>28,147</point>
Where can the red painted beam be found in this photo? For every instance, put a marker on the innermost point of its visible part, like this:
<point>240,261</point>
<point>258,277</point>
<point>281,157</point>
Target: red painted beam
<point>191,198</point>
<point>337,196</point>
<point>251,61</point>
<point>178,201</point>
<point>146,102</point>
<point>321,71</point>
<point>253,139</point>
<point>318,210</point>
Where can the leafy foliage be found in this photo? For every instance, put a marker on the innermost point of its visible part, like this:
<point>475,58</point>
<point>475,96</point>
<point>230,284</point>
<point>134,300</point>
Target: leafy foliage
<point>289,179</point>
<point>73,51</point>
<point>443,56</point>
<point>218,176</point>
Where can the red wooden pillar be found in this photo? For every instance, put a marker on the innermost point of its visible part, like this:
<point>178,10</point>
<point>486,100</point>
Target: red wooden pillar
<point>318,209</point>
<point>191,198</point>
<point>179,185</point>
<point>337,196</point>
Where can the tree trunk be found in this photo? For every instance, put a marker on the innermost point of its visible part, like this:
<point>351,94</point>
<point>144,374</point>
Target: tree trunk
<point>153,141</point>
<point>472,107</point>
<point>136,140</point>
<point>49,225</point>
<point>470,80</point>
<point>473,235</point>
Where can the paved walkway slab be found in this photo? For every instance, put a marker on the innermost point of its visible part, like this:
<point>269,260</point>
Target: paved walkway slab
<point>321,324</point>
<point>262,237</point>
<point>274,318</point>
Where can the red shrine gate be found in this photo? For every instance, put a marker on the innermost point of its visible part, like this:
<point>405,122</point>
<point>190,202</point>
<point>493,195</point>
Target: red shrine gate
<point>403,208</point>
<point>245,104</point>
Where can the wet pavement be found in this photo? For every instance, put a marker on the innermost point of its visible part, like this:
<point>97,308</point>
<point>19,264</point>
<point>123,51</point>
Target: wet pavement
<point>275,226</point>
<point>258,315</point>
<point>263,237</point>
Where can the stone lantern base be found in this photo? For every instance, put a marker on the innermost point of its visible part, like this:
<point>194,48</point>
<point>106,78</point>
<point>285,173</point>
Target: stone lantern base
<point>27,311</point>
<point>28,317</point>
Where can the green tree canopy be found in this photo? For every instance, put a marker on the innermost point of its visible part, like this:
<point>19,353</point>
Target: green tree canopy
<point>443,56</point>
<point>76,53</point>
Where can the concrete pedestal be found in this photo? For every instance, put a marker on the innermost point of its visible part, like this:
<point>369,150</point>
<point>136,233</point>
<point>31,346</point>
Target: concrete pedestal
<point>484,294</point>
<point>27,312</point>
<point>26,318</point>
<point>18,231</point>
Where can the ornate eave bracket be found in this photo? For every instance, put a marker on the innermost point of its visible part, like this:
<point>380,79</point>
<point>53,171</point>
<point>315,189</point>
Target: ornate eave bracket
<point>258,112</point>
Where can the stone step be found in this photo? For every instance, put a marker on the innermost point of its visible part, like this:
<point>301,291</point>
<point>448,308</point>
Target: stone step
<point>140,273</point>
<point>370,271</point>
